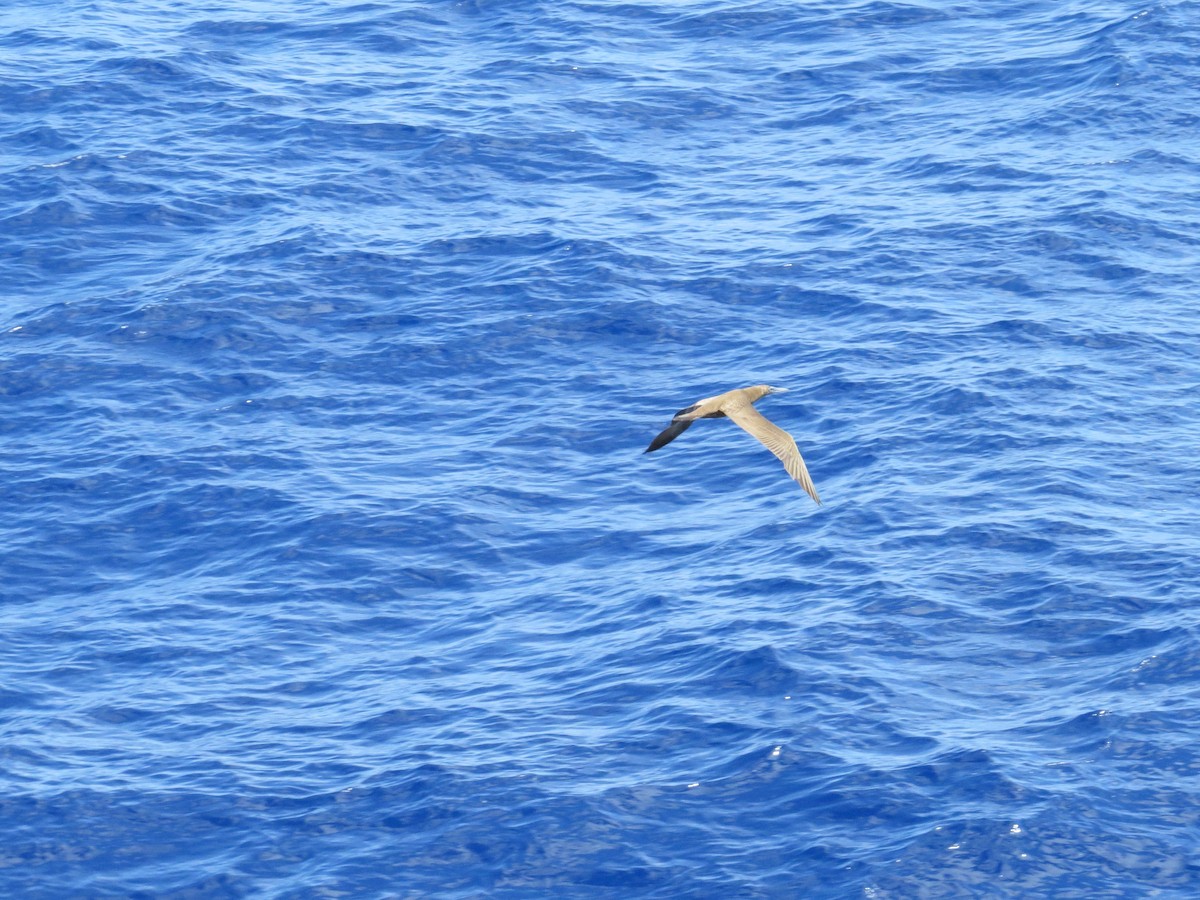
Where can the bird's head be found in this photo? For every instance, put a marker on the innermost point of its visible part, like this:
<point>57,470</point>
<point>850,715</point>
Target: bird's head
<point>759,391</point>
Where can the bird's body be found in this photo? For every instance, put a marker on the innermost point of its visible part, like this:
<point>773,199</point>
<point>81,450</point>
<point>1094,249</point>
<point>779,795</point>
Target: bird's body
<point>738,405</point>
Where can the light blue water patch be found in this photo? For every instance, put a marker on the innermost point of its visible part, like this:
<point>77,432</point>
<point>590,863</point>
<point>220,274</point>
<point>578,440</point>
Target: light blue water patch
<point>331,341</point>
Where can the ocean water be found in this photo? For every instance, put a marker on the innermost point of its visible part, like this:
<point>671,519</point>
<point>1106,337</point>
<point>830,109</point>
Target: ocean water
<point>332,336</point>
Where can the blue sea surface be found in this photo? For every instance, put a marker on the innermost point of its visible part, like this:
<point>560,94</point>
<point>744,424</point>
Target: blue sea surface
<point>331,336</point>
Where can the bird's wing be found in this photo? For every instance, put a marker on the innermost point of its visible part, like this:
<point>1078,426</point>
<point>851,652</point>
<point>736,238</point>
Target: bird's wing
<point>776,440</point>
<point>668,434</point>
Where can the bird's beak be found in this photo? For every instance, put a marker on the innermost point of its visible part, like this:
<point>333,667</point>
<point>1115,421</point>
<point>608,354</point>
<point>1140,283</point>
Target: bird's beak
<point>776,390</point>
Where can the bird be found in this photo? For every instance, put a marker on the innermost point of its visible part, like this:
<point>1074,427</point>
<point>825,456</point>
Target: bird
<point>738,405</point>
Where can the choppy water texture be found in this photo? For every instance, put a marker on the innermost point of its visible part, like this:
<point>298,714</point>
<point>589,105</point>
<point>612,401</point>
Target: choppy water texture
<point>332,335</point>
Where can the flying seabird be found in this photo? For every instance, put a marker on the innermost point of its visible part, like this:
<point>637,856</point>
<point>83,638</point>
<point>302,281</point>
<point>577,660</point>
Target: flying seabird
<point>739,406</point>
